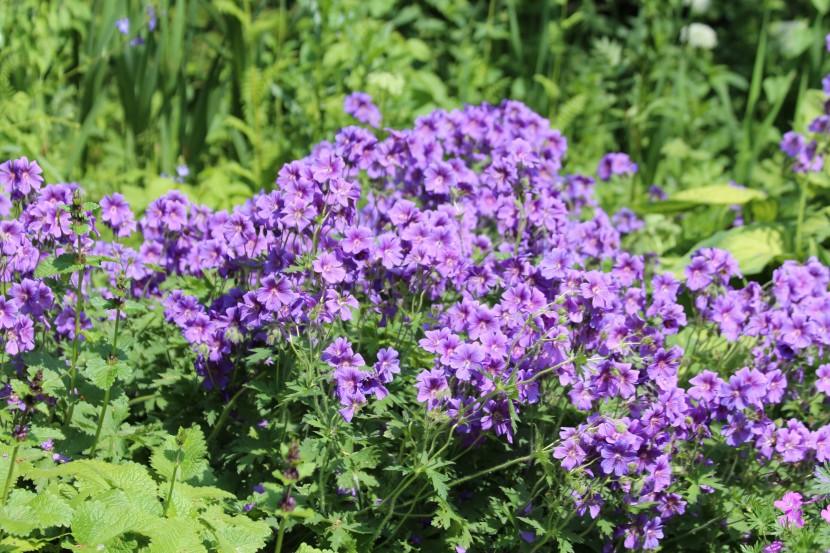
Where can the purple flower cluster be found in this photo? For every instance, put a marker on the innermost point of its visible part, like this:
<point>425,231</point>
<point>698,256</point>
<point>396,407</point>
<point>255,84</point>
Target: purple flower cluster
<point>615,164</point>
<point>526,294</point>
<point>468,211</point>
<point>354,383</point>
<point>360,106</point>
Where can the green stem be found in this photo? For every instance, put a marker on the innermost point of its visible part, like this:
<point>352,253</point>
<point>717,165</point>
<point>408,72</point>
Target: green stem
<point>100,422</point>
<point>280,535</point>
<point>226,411</point>
<point>141,399</point>
<point>172,484</point>
<point>484,472</point>
<point>106,404</point>
<point>799,231</point>
<point>75,344</point>
<point>10,473</point>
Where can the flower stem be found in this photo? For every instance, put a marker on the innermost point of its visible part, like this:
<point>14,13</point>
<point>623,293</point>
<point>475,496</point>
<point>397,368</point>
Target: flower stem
<point>75,343</point>
<point>10,473</point>
<point>280,535</point>
<point>107,393</point>
<point>172,484</point>
<point>802,205</point>
<point>100,422</point>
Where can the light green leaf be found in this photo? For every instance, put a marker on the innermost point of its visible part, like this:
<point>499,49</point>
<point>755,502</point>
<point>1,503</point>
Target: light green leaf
<point>753,246</point>
<point>718,194</point>
<point>176,534</point>
<point>187,450</point>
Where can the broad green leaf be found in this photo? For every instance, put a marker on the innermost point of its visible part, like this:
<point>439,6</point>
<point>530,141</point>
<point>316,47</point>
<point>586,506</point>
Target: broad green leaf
<point>96,522</point>
<point>64,263</point>
<point>236,534</point>
<point>715,194</point>
<point>187,450</point>
<point>753,246</point>
<point>176,534</point>
<point>103,373</point>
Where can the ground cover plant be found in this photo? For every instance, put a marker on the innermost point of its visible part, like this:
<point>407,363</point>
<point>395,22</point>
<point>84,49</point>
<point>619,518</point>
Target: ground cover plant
<point>432,338</point>
<point>438,328</point>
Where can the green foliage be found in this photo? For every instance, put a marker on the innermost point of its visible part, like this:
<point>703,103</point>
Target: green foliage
<point>111,506</point>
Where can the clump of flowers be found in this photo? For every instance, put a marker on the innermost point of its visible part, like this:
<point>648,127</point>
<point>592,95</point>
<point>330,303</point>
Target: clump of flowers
<point>428,300</point>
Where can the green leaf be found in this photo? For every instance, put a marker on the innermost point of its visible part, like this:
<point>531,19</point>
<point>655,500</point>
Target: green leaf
<point>103,373</point>
<point>439,482</point>
<point>81,228</point>
<point>187,450</point>
<point>97,477</point>
<point>719,194</point>
<point>96,522</point>
<point>753,246</point>
<point>176,534</point>
<point>305,548</point>
<point>822,6</point>
<point>715,194</point>
<point>64,263</point>
<point>236,534</point>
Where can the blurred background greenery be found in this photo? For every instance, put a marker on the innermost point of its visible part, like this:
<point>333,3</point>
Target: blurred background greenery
<point>121,95</point>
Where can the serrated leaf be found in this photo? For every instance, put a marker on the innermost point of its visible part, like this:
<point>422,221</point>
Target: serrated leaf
<point>81,228</point>
<point>96,477</point>
<point>238,534</point>
<point>96,522</point>
<point>176,534</point>
<point>187,450</point>
<point>64,263</point>
<point>103,373</point>
<point>439,482</point>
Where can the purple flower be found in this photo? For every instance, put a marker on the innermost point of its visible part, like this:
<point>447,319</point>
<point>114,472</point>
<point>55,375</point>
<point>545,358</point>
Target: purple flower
<point>327,167</point>
<point>792,144</point>
<point>465,359</point>
<point>123,26</point>
<point>359,105</point>
<point>151,19</point>
<point>198,329</point>
<point>652,533</point>
<point>20,177</point>
<point>341,306</point>
<point>356,239</point>
<point>571,454</point>
<point>660,473</point>
<point>275,292</point>
<point>617,456</point>
<point>20,338</point>
<point>439,178</point>
<point>615,164</point>
<point>387,364</point>
<point>791,505</point>
<point>329,267</point>
<point>431,387</point>
<point>822,382</point>
<point>598,289</point>
<point>8,313</point>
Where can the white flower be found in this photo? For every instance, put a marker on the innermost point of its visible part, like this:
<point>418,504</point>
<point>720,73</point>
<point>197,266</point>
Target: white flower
<point>698,6</point>
<point>699,35</point>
